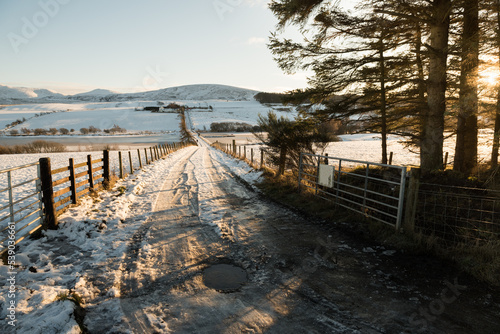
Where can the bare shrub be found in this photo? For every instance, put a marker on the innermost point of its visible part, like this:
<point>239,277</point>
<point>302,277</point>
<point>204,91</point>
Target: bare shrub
<point>40,132</point>
<point>93,129</point>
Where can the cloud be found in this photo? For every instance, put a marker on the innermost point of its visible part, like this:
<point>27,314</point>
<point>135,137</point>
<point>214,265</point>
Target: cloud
<point>256,41</point>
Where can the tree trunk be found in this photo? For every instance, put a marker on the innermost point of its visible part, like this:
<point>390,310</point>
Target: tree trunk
<point>431,150</point>
<point>282,162</point>
<point>383,100</point>
<point>466,144</point>
<point>496,135</point>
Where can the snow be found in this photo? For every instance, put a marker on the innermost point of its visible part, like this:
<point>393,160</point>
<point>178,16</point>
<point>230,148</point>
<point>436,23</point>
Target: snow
<point>367,147</point>
<point>94,232</point>
<point>82,115</point>
<point>7,92</point>
<point>237,111</point>
<point>58,160</point>
<point>97,92</point>
<point>198,92</point>
<point>187,92</point>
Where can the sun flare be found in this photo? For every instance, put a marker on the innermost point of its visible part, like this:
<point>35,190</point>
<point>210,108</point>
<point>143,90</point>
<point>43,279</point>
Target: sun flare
<point>490,76</point>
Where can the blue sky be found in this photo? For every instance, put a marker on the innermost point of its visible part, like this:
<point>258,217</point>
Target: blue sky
<point>124,45</point>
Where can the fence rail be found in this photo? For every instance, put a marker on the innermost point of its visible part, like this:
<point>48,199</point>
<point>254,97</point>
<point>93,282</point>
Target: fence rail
<point>56,189</point>
<point>256,157</point>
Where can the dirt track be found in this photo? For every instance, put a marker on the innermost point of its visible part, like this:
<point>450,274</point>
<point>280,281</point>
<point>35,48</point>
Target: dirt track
<point>303,276</point>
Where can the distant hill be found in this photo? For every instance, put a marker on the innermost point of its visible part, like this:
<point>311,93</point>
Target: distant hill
<point>201,92</point>
<point>12,93</point>
<point>97,92</point>
<point>188,92</point>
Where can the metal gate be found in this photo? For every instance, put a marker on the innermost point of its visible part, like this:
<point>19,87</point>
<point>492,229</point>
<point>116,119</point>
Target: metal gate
<point>21,211</point>
<point>374,190</point>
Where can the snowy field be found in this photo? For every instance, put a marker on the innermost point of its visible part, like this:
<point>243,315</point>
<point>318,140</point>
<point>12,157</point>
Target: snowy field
<point>82,115</point>
<point>104,115</point>
<point>236,111</point>
<point>365,147</point>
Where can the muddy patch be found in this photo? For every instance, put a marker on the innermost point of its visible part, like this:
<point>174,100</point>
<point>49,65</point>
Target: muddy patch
<point>224,277</point>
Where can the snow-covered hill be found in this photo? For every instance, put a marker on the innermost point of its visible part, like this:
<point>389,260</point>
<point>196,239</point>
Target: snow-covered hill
<point>97,92</point>
<point>9,93</point>
<point>200,92</point>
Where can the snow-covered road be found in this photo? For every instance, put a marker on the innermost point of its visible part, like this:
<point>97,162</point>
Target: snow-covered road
<point>204,217</point>
<point>137,256</point>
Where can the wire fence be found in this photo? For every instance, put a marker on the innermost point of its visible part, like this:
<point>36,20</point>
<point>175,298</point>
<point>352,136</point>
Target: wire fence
<point>458,214</point>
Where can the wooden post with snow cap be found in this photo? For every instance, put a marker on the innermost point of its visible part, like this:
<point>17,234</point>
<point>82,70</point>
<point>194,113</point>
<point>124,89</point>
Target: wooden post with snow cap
<point>91,172</point>
<point>139,156</point>
<point>120,162</point>
<point>130,161</point>
<point>106,170</point>
<point>50,217</point>
<point>72,180</point>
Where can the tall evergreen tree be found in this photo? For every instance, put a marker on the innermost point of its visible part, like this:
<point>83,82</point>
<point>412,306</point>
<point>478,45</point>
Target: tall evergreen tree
<point>467,130</point>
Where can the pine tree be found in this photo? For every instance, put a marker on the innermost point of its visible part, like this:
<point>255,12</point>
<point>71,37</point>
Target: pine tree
<point>467,130</point>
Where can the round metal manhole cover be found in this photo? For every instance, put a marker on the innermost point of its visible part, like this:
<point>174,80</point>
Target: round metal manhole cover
<point>224,277</point>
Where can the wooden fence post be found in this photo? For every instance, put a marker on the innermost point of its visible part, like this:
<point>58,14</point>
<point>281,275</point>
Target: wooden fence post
<point>152,156</point>
<point>412,201</point>
<point>251,152</point>
<point>146,155</point>
<point>234,147</point>
<point>245,152</point>
<point>261,158</point>
<point>130,161</point>
<point>120,163</point>
<point>91,172</point>
<point>50,221</point>
<point>445,160</point>
<point>106,171</point>
<point>139,156</point>
<point>390,158</point>
<point>72,180</point>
